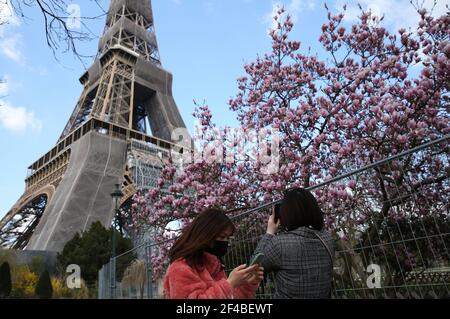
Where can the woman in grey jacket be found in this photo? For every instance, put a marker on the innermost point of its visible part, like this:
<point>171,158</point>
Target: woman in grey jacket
<point>297,249</point>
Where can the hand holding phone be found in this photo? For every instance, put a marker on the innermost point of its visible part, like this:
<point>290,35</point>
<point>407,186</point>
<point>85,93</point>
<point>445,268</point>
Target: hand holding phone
<point>257,260</point>
<point>276,211</point>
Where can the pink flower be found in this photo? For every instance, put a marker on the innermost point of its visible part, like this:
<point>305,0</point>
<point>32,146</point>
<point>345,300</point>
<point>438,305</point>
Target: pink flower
<point>402,139</point>
<point>352,184</point>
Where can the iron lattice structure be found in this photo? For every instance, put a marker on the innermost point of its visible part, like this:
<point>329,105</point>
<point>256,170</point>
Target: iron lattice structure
<point>118,132</point>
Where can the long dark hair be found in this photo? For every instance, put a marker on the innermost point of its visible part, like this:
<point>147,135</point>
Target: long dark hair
<point>199,235</point>
<point>300,209</point>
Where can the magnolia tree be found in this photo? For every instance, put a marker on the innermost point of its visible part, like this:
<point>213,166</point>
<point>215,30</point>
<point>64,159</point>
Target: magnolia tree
<point>371,94</point>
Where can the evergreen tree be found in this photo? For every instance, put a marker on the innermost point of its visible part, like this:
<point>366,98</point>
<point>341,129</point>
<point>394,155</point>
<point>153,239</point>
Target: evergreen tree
<point>92,249</point>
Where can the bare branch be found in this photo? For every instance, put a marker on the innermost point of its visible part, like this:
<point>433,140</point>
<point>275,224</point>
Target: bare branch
<point>60,35</point>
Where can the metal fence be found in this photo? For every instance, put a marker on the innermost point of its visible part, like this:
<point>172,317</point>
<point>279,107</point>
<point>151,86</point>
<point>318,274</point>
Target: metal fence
<point>390,221</point>
<point>129,275</point>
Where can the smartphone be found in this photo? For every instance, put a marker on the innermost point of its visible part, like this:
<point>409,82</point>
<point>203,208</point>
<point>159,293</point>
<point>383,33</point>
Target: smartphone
<point>257,259</point>
<point>277,208</point>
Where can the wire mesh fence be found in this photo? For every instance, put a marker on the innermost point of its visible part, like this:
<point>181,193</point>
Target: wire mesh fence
<point>390,221</point>
<point>129,275</point>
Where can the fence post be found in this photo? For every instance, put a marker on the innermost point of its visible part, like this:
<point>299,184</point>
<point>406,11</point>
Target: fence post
<point>112,271</point>
<point>149,269</point>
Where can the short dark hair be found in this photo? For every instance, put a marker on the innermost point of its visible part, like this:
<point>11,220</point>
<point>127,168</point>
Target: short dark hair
<point>300,209</point>
<point>197,237</point>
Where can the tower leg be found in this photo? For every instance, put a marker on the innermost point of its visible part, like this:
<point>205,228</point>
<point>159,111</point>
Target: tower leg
<point>164,116</point>
<point>83,196</point>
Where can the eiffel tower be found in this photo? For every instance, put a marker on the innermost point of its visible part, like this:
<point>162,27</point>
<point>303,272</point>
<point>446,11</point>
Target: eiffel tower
<point>106,141</point>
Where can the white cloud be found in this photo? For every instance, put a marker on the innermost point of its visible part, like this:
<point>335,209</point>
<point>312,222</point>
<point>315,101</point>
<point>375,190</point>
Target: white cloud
<point>11,48</point>
<point>298,6</point>
<point>269,17</point>
<point>18,119</point>
<point>397,14</point>
<point>7,14</point>
<point>292,7</point>
<point>10,42</point>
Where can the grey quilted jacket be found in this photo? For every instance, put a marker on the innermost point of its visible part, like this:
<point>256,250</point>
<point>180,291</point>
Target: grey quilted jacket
<point>301,264</point>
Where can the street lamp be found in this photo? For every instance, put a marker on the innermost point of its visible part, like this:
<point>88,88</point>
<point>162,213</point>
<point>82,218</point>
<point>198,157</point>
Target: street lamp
<point>116,195</point>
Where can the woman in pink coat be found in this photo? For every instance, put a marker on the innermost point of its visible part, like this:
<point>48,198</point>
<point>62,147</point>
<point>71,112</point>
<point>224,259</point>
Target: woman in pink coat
<point>196,270</point>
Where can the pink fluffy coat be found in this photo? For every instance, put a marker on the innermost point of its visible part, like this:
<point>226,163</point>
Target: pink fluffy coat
<point>185,282</point>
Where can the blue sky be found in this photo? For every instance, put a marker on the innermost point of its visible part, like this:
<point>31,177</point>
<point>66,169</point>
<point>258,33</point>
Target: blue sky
<point>204,43</point>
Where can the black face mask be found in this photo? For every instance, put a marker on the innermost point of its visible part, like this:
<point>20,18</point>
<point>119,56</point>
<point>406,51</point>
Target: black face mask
<point>219,249</point>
